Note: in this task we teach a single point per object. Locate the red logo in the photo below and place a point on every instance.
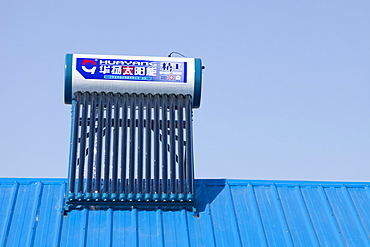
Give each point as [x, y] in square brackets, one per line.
[171, 77]
[85, 61]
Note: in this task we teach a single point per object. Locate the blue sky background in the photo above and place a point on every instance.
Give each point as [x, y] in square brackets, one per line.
[285, 94]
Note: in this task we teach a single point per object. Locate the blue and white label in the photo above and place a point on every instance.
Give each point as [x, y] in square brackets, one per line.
[132, 70]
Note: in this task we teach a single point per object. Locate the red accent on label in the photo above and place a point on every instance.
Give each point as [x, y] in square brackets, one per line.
[128, 70]
[85, 61]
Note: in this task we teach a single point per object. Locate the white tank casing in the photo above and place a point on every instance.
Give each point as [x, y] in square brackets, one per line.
[133, 74]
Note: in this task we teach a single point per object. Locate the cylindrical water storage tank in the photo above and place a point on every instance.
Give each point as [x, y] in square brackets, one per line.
[133, 74]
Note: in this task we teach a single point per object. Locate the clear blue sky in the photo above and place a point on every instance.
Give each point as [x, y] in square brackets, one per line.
[286, 91]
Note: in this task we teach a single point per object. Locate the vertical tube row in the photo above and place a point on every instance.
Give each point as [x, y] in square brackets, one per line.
[140, 147]
[107, 146]
[148, 150]
[115, 147]
[164, 149]
[110, 116]
[172, 148]
[156, 147]
[81, 167]
[76, 120]
[132, 147]
[180, 145]
[90, 161]
[123, 147]
[189, 151]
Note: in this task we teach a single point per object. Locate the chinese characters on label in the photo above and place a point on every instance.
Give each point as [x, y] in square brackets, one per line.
[138, 70]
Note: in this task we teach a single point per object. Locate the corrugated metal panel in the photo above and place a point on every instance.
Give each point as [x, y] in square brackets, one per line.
[231, 213]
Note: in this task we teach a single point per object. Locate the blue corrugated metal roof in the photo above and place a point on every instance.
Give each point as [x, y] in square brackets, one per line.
[231, 213]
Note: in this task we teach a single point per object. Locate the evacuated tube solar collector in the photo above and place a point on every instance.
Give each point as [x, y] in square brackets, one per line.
[131, 137]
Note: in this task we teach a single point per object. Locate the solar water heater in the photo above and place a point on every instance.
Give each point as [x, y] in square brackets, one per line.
[131, 131]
